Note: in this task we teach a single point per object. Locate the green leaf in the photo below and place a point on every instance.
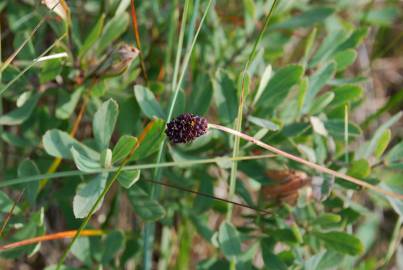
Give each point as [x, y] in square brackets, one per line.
[28, 168]
[346, 94]
[113, 29]
[341, 242]
[92, 37]
[123, 148]
[359, 168]
[327, 219]
[81, 249]
[264, 80]
[128, 178]
[383, 143]
[278, 87]
[150, 139]
[271, 261]
[225, 96]
[335, 127]
[383, 17]
[394, 158]
[316, 82]
[113, 243]
[17, 141]
[147, 102]
[87, 194]
[320, 103]
[104, 123]
[147, 208]
[229, 240]
[353, 40]
[58, 143]
[84, 163]
[345, 58]
[263, 123]
[50, 69]
[20, 114]
[305, 19]
[379, 133]
[67, 103]
[201, 96]
[32, 228]
[106, 158]
[328, 47]
[323, 260]
[6, 204]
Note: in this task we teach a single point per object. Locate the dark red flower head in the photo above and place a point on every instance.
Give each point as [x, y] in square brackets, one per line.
[186, 127]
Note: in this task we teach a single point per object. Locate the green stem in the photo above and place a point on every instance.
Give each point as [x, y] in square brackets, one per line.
[31, 64]
[23, 180]
[95, 206]
[238, 124]
[395, 239]
[149, 232]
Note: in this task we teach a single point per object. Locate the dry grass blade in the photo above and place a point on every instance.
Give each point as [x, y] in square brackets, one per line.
[308, 163]
[137, 38]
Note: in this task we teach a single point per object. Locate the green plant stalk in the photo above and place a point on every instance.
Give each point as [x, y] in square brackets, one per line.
[30, 35]
[394, 241]
[31, 65]
[165, 248]
[238, 124]
[149, 228]
[2, 155]
[95, 206]
[171, 36]
[179, 49]
[23, 180]
[346, 159]
[149, 232]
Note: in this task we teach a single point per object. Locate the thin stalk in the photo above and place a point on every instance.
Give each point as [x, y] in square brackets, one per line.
[244, 93]
[171, 35]
[95, 206]
[149, 228]
[49, 237]
[65, 174]
[198, 193]
[346, 134]
[10, 213]
[31, 65]
[393, 243]
[137, 38]
[2, 155]
[307, 163]
[180, 44]
[15, 53]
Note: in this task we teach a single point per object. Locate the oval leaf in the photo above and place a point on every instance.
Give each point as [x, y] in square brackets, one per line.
[20, 114]
[87, 194]
[342, 242]
[147, 102]
[58, 143]
[128, 178]
[84, 163]
[147, 208]
[104, 123]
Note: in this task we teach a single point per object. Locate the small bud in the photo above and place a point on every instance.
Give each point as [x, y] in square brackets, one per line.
[186, 127]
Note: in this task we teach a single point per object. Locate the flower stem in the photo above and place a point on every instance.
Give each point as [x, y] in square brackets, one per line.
[307, 163]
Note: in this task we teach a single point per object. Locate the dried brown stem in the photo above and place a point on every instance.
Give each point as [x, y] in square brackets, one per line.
[308, 163]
